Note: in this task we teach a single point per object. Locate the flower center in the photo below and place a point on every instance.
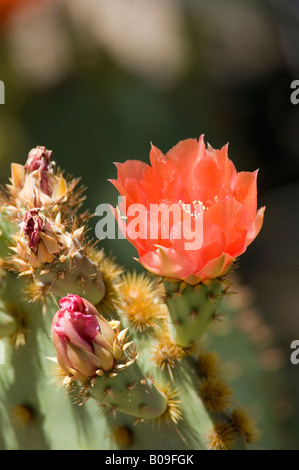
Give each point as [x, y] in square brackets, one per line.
[193, 209]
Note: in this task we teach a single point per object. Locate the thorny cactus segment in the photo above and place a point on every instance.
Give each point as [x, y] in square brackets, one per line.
[130, 392]
[192, 310]
[86, 344]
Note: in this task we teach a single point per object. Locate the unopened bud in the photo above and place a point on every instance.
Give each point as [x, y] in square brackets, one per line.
[36, 184]
[37, 242]
[38, 159]
[85, 343]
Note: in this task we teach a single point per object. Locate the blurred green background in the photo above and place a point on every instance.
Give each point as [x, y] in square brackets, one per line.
[97, 80]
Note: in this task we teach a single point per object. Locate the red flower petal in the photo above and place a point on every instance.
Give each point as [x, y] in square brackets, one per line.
[246, 192]
[256, 226]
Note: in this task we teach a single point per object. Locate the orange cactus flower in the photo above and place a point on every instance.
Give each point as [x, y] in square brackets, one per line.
[190, 175]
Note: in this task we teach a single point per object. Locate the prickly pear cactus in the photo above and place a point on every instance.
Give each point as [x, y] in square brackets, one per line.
[96, 358]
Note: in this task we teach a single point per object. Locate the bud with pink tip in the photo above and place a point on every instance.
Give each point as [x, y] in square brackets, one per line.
[37, 184]
[86, 344]
[38, 242]
[39, 159]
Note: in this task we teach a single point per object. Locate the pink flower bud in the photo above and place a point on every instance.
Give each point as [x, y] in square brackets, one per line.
[32, 226]
[39, 159]
[85, 342]
[37, 184]
[38, 242]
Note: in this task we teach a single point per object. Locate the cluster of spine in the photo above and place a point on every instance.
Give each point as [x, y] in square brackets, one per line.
[140, 335]
[230, 423]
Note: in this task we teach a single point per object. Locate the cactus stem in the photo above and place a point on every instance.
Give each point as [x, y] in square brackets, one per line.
[191, 310]
[144, 400]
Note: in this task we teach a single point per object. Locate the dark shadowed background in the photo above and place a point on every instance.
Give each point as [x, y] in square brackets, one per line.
[97, 80]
